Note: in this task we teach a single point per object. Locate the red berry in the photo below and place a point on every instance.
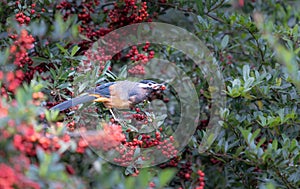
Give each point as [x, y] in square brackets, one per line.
[187, 176]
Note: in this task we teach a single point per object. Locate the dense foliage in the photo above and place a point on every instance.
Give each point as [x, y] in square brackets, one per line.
[46, 57]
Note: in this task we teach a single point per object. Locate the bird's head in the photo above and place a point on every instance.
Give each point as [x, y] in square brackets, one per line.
[151, 85]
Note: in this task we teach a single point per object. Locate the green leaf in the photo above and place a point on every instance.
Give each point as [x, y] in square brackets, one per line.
[64, 85]
[165, 176]
[107, 65]
[248, 84]
[74, 50]
[37, 60]
[51, 115]
[111, 75]
[255, 134]
[239, 151]
[202, 21]
[261, 141]
[83, 37]
[245, 133]
[44, 165]
[129, 170]
[224, 42]
[64, 147]
[200, 7]
[137, 153]
[281, 115]
[79, 79]
[61, 48]
[263, 120]
[268, 185]
[226, 146]
[123, 73]
[274, 144]
[82, 87]
[75, 30]
[129, 183]
[295, 32]
[21, 97]
[246, 72]
[294, 145]
[144, 178]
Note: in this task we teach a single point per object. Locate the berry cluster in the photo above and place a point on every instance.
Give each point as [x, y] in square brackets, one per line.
[96, 56]
[37, 97]
[64, 5]
[83, 10]
[84, 16]
[11, 81]
[22, 18]
[28, 140]
[139, 115]
[186, 173]
[148, 141]
[81, 146]
[166, 146]
[137, 70]
[20, 47]
[99, 54]
[124, 13]
[23, 15]
[87, 26]
[185, 170]
[11, 178]
[71, 125]
[171, 163]
[18, 50]
[200, 179]
[106, 139]
[22, 43]
[139, 59]
[127, 12]
[134, 54]
[227, 59]
[126, 155]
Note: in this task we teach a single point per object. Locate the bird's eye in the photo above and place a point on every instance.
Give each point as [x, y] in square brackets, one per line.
[150, 84]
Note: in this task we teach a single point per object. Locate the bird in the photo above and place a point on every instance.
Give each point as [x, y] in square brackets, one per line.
[119, 94]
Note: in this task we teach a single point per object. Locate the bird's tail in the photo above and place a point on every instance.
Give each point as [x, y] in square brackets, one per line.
[73, 102]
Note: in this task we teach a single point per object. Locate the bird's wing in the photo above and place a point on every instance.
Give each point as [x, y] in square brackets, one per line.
[119, 94]
[103, 90]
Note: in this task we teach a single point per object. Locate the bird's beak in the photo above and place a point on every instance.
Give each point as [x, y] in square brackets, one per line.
[159, 87]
